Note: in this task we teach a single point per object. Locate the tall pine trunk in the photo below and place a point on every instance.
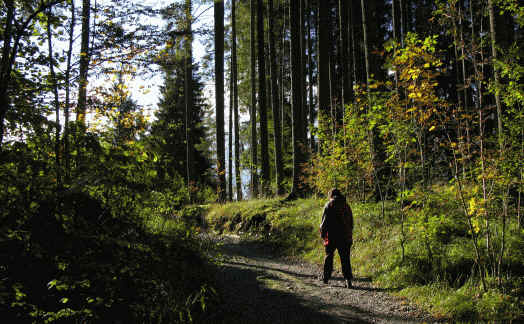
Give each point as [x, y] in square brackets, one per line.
[238, 179]
[262, 100]
[324, 46]
[296, 100]
[254, 146]
[493, 37]
[5, 72]
[219, 97]
[344, 59]
[230, 138]
[311, 107]
[56, 102]
[67, 156]
[394, 22]
[84, 64]
[188, 95]
[303, 112]
[275, 101]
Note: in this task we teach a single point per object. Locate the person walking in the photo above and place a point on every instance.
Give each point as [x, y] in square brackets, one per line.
[336, 230]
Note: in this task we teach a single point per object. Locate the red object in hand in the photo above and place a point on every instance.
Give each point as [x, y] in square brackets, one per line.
[326, 240]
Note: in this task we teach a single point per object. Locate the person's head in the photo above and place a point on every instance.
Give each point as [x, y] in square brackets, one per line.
[334, 193]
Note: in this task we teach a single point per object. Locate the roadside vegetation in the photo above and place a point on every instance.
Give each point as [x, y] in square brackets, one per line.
[446, 282]
[107, 248]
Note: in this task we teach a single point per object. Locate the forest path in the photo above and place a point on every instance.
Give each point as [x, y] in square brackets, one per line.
[261, 288]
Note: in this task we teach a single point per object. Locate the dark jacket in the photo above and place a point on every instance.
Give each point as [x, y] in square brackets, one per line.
[337, 221]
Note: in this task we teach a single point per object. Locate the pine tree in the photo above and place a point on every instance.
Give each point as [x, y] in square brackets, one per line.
[219, 98]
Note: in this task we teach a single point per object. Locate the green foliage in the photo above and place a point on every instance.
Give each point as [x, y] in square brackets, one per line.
[93, 251]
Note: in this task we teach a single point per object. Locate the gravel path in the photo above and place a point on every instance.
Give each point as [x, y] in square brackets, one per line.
[260, 288]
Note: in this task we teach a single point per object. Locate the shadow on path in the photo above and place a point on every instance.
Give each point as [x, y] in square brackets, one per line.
[257, 287]
[247, 300]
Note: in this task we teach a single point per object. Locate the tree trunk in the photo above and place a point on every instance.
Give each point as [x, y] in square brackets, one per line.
[344, 59]
[275, 101]
[238, 179]
[230, 138]
[310, 77]
[351, 63]
[67, 155]
[296, 100]
[402, 22]
[285, 17]
[495, 72]
[262, 108]
[464, 80]
[324, 46]
[353, 53]
[344, 54]
[371, 134]
[254, 162]
[56, 102]
[458, 67]
[188, 96]
[84, 64]
[394, 22]
[303, 120]
[365, 36]
[219, 97]
[5, 72]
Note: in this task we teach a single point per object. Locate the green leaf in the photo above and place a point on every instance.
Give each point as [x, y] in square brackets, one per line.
[51, 284]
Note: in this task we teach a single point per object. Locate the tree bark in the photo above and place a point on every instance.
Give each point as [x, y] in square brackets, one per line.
[67, 155]
[365, 36]
[56, 102]
[275, 101]
[402, 22]
[238, 179]
[254, 162]
[394, 23]
[188, 96]
[84, 64]
[303, 120]
[344, 59]
[262, 99]
[296, 100]
[5, 72]
[219, 97]
[324, 46]
[311, 106]
[230, 138]
[495, 72]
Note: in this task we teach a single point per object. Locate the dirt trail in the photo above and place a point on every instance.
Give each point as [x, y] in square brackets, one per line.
[259, 288]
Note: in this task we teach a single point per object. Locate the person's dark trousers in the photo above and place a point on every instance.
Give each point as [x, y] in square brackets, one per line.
[343, 252]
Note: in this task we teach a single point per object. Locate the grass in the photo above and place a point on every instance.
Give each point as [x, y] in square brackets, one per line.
[443, 284]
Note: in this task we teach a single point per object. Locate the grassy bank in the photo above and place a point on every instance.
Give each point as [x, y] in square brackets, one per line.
[443, 282]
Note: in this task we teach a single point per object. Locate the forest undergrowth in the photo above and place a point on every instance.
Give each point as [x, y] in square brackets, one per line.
[104, 249]
[445, 283]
